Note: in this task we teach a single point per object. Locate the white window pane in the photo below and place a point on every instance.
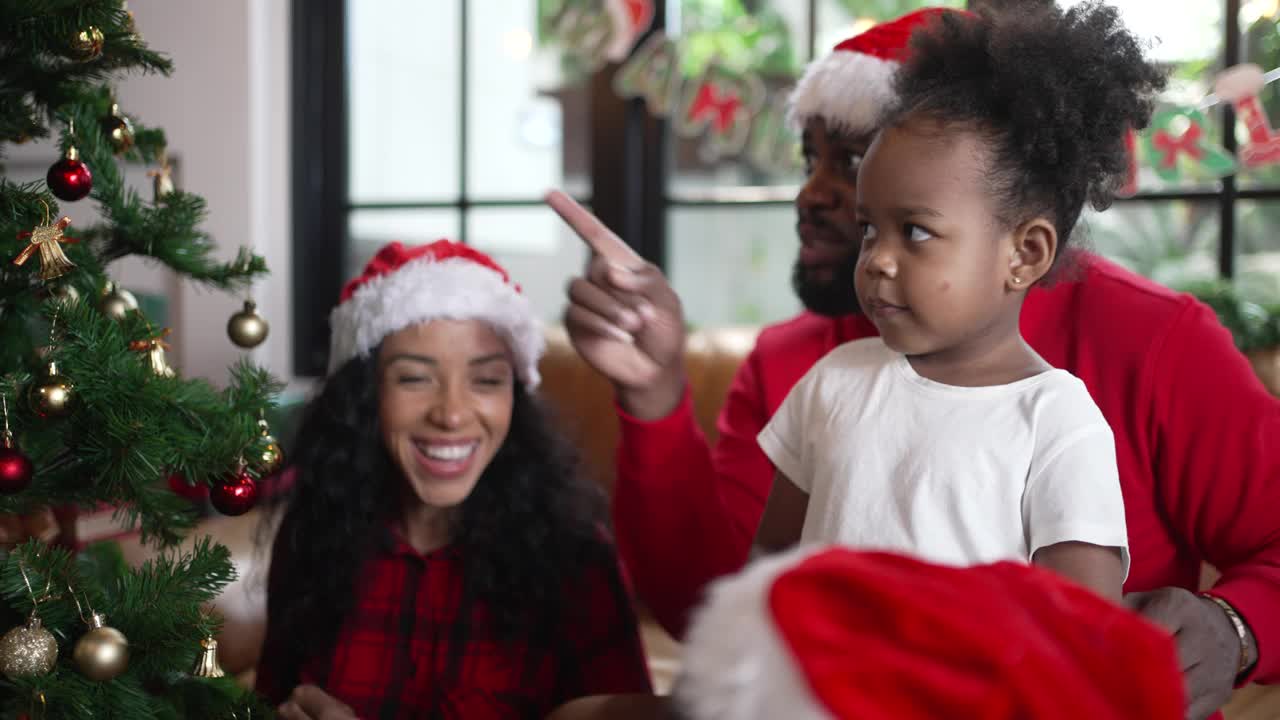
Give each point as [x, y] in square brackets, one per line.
[528, 126]
[732, 265]
[538, 250]
[402, 99]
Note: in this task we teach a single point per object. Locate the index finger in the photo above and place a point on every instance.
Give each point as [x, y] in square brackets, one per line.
[599, 238]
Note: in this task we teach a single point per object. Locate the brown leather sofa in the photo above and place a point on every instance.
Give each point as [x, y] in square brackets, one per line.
[584, 403]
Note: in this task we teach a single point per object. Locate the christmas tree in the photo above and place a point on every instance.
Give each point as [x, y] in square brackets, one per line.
[93, 414]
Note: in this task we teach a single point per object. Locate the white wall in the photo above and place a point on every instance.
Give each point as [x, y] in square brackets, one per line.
[224, 112]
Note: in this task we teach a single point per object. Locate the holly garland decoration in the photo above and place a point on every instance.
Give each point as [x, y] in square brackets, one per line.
[1167, 143]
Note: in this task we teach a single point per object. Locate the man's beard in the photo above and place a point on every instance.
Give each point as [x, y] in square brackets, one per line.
[831, 297]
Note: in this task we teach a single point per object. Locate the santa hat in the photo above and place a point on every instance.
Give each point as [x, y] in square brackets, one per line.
[835, 633]
[403, 286]
[853, 84]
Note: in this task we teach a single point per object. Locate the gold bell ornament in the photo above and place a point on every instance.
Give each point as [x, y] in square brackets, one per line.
[46, 241]
[103, 652]
[247, 328]
[116, 302]
[207, 666]
[51, 396]
[154, 348]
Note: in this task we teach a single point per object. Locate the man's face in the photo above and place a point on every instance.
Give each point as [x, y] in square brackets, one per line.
[826, 221]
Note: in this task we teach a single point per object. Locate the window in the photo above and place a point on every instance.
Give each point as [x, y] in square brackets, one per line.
[444, 125]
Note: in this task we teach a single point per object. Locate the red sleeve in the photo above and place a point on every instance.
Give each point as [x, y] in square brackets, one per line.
[684, 513]
[609, 652]
[1218, 470]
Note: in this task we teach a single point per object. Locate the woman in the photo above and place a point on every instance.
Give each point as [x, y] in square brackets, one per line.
[437, 555]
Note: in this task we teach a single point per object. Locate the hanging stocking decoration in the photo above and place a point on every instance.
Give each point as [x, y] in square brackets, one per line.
[1130, 187]
[1240, 85]
[652, 73]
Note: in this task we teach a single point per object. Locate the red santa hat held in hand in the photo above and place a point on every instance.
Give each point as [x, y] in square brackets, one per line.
[403, 286]
[834, 633]
[849, 87]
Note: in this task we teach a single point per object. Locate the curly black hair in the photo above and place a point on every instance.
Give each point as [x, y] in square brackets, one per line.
[1052, 92]
[530, 527]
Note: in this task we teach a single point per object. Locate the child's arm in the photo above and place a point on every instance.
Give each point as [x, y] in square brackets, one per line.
[783, 517]
[1097, 567]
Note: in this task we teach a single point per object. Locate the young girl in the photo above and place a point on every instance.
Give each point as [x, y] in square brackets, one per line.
[948, 437]
[438, 555]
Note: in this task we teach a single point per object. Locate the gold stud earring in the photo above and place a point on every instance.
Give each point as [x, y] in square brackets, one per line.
[1017, 280]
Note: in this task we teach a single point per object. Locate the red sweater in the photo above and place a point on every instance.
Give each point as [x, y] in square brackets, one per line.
[1197, 442]
[395, 645]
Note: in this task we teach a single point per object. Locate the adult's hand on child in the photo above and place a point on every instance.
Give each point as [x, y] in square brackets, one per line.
[308, 702]
[1208, 646]
[623, 318]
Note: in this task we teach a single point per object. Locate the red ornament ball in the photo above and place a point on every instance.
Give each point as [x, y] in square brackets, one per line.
[16, 470]
[237, 494]
[69, 179]
[179, 484]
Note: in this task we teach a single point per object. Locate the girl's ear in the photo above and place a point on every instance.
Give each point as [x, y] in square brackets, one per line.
[1035, 244]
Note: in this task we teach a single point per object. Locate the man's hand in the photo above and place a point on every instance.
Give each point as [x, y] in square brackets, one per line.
[308, 702]
[624, 319]
[1208, 646]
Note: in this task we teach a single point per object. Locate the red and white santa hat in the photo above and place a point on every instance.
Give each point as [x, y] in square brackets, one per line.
[826, 633]
[853, 84]
[403, 286]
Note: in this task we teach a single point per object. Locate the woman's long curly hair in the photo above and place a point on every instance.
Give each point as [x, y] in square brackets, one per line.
[530, 526]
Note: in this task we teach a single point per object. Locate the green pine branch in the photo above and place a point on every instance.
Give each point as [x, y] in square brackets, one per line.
[130, 427]
[159, 609]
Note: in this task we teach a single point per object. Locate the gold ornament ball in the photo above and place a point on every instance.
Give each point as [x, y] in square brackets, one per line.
[272, 456]
[103, 652]
[87, 44]
[116, 303]
[28, 650]
[247, 328]
[120, 130]
[51, 396]
[62, 293]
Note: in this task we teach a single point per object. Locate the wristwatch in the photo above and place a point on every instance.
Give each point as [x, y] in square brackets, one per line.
[1237, 622]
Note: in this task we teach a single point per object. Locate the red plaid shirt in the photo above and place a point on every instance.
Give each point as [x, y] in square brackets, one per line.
[393, 648]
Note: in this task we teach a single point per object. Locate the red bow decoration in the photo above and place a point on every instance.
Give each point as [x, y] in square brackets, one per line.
[1169, 145]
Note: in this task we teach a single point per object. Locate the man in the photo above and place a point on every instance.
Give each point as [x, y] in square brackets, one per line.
[1195, 430]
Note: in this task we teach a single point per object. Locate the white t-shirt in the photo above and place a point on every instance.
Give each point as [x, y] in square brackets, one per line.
[954, 475]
